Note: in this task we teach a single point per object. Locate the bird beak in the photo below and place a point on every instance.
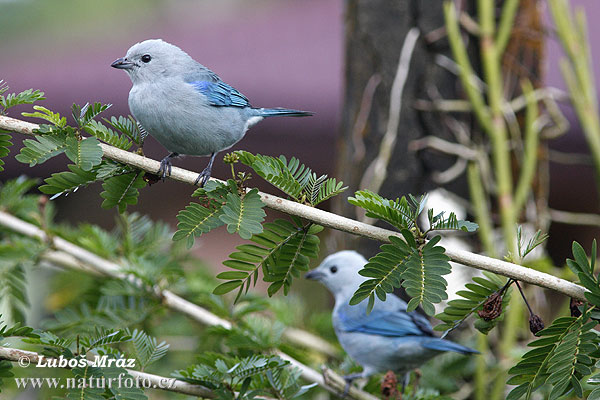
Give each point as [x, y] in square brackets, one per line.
[314, 275]
[122, 63]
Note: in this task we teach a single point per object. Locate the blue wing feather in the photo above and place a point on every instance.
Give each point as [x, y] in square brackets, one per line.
[391, 322]
[220, 94]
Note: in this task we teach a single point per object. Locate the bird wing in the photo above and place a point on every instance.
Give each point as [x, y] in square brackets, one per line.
[220, 94]
[385, 322]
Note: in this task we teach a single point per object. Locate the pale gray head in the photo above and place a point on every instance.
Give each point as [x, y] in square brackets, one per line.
[339, 272]
[154, 59]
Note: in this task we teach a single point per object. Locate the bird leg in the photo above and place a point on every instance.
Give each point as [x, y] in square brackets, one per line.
[165, 166]
[205, 174]
[349, 379]
[405, 381]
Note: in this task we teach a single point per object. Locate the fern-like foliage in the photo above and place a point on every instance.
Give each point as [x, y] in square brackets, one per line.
[85, 153]
[401, 213]
[86, 392]
[416, 267]
[122, 190]
[43, 113]
[282, 251]
[108, 135]
[293, 178]
[199, 218]
[440, 222]
[225, 375]
[103, 337]
[129, 127]
[84, 115]
[28, 96]
[569, 348]
[42, 148]
[566, 352]
[221, 204]
[475, 294]
[244, 213]
[147, 349]
[5, 143]
[5, 371]
[67, 182]
[16, 330]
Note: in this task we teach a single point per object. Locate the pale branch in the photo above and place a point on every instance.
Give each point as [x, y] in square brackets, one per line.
[335, 221]
[155, 381]
[574, 218]
[69, 255]
[376, 172]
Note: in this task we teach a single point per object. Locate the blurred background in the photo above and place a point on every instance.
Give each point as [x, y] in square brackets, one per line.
[315, 55]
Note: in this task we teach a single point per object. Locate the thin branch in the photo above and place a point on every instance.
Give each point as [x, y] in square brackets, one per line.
[574, 218]
[335, 221]
[156, 381]
[376, 172]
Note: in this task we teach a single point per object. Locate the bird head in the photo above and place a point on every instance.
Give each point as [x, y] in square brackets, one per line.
[152, 59]
[339, 272]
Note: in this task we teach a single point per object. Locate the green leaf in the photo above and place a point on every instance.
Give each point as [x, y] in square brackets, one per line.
[243, 215]
[28, 96]
[282, 251]
[84, 115]
[47, 115]
[228, 286]
[42, 148]
[5, 143]
[440, 222]
[474, 296]
[122, 190]
[197, 218]
[107, 135]
[398, 213]
[85, 153]
[293, 178]
[147, 349]
[418, 269]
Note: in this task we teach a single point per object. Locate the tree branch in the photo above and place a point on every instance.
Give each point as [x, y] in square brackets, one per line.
[335, 221]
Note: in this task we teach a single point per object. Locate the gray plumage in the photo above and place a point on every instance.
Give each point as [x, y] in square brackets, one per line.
[388, 338]
[186, 106]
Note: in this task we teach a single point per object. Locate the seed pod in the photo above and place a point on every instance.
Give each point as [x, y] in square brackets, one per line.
[535, 323]
[492, 308]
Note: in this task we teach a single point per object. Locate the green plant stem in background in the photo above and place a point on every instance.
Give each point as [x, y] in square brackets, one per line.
[529, 159]
[505, 26]
[481, 369]
[481, 210]
[578, 74]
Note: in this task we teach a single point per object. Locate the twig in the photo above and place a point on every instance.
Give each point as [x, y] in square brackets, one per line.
[574, 218]
[335, 221]
[376, 172]
[363, 116]
[336, 381]
[156, 381]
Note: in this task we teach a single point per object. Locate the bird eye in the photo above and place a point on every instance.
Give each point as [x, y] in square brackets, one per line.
[146, 58]
[333, 269]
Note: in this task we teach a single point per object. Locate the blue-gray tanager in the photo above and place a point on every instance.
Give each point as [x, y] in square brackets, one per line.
[388, 338]
[186, 106]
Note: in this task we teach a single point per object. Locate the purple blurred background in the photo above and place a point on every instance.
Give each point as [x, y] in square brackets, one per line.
[278, 53]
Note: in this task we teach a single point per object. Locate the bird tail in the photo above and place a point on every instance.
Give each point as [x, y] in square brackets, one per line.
[276, 112]
[446, 345]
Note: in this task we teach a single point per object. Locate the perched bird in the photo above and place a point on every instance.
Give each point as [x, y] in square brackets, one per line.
[186, 106]
[388, 338]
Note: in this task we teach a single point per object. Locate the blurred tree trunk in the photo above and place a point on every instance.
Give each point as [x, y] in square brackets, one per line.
[375, 34]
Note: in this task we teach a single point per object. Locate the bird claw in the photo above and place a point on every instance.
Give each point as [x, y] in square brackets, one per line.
[203, 177]
[165, 167]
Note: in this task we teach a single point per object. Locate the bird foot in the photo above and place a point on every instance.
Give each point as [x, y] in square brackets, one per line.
[165, 166]
[203, 177]
[349, 379]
